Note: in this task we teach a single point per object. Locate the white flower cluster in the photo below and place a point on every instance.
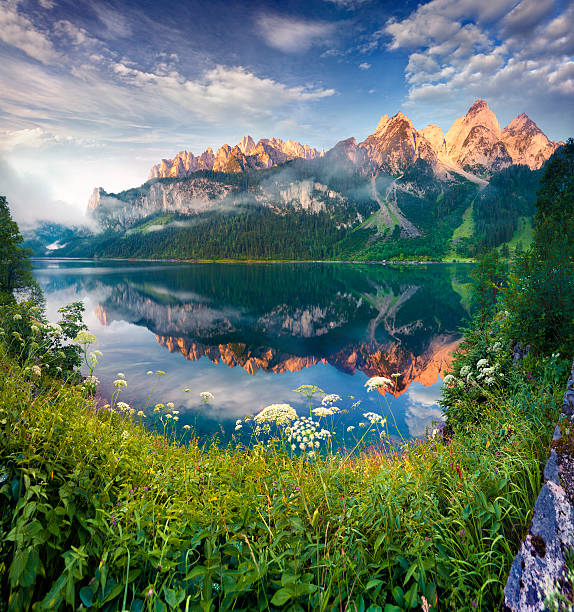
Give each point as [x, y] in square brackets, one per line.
[325, 411]
[449, 380]
[54, 329]
[120, 383]
[238, 424]
[330, 398]
[306, 435]
[85, 338]
[464, 371]
[374, 418]
[280, 414]
[206, 396]
[378, 381]
[486, 372]
[123, 407]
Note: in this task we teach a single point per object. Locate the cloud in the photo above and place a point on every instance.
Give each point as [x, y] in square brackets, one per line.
[348, 4]
[364, 66]
[292, 35]
[18, 31]
[30, 200]
[506, 51]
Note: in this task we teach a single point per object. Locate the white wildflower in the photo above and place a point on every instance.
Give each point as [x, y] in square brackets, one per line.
[374, 419]
[168, 416]
[482, 363]
[36, 370]
[85, 338]
[170, 405]
[206, 396]
[324, 411]
[280, 414]
[120, 383]
[187, 426]
[331, 398]
[238, 427]
[376, 382]
[464, 371]
[350, 428]
[141, 413]
[17, 317]
[449, 379]
[123, 406]
[120, 375]
[149, 373]
[125, 434]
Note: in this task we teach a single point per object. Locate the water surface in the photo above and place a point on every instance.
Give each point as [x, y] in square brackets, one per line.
[251, 333]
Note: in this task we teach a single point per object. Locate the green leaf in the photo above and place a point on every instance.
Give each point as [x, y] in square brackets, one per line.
[87, 596]
[373, 583]
[281, 597]
[391, 608]
[170, 597]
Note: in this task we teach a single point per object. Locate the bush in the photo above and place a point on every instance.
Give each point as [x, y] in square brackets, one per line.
[96, 511]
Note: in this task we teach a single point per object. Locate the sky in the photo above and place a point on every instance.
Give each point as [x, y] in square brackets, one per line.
[94, 92]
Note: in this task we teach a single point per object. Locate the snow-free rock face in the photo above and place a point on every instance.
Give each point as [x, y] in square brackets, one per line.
[245, 155]
[527, 143]
[396, 144]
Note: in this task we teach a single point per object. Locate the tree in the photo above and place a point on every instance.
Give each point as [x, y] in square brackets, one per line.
[15, 266]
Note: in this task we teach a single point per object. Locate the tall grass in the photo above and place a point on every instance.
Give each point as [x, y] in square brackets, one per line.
[96, 511]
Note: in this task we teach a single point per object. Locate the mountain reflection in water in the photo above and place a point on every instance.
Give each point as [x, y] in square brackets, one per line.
[282, 318]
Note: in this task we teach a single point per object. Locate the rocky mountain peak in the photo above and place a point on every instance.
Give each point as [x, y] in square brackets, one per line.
[246, 145]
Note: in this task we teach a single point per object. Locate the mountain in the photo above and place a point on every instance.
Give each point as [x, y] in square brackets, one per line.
[401, 193]
[245, 155]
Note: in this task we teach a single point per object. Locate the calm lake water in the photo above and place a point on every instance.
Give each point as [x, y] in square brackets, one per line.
[251, 333]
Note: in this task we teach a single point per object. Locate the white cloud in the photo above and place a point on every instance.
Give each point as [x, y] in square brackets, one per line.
[292, 35]
[348, 4]
[19, 31]
[505, 51]
[364, 66]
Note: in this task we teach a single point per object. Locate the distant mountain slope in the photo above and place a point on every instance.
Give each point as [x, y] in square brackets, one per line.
[400, 193]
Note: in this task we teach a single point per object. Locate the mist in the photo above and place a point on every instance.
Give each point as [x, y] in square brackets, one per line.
[31, 201]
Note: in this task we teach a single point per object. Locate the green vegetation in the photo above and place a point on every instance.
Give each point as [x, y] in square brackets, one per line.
[96, 510]
[99, 510]
[15, 268]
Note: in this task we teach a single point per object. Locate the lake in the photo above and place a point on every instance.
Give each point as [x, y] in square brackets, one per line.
[252, 333]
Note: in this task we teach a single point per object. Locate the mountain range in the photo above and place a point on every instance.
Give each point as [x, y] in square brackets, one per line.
[400, 193]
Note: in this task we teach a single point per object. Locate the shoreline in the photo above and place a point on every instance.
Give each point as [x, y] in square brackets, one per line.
[383, 262]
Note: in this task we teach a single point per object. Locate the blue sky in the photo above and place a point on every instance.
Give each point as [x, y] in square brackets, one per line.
[96, 91]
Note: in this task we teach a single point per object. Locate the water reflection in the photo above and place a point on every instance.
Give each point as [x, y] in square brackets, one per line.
[311, 323]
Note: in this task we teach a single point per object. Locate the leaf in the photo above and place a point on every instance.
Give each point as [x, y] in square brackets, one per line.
[87, 596]
[373, 583]
[170, 597]
[391, 608]
[281, 597]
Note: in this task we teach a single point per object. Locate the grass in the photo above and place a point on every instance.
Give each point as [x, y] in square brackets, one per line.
[524, 234]
[464, 230]
[98, 511]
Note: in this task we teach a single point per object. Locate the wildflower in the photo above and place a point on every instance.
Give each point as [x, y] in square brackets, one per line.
[36, 370]
[186, 390]
[377, 381]
[356, 404]
[149, 372]
[170, 405]
[187, 426]
[91, 381]
[482, 363]
[175, 411]
[206, 396]
[331, 398]
[464, 371]
[120, 383]
[308, 390]
[449, 379]
[149, 594]
[17, 317]
[496, 347]
[159, 373]
[159, 406]
[125, 434]
[238, 422]
[238, 427]
[361, 424]
[168, 416]
[323, 411]
[350, 428]
[35, 329]
[489, 380]
[280, 414]
[396, 375]
[123, 406]
[374, 419]
[54, 329]
[141, 413]
[85, 338]
[176, 418]
[120, 375]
